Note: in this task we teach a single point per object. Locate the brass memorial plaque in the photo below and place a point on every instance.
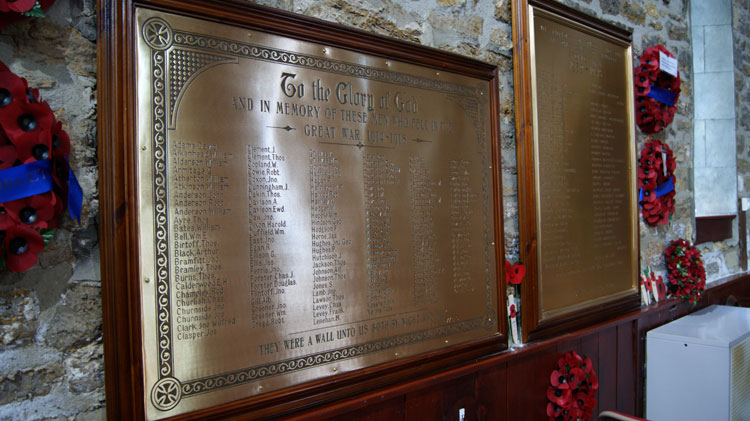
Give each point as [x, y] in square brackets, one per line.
[305, 211]
[584, 154]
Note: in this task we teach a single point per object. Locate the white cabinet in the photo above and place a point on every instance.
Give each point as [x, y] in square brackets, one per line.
[698, 367]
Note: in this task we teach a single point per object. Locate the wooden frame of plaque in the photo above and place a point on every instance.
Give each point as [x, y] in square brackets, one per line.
[578, 218]
[292, 211]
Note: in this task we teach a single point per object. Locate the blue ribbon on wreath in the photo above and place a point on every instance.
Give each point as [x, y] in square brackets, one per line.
[662, 95]
[659, 191]
[36, 178]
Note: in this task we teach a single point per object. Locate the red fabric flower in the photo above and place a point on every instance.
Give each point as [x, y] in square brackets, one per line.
[559, 379]
[512, 311]
[23, 122]
[60, 141]
[12, 88]
[21, 247]
[34, 211]
[587, 366]
[560, 397]
[10, 11]
[569, 360]
[515, 274]
[575, 376]
[17, 6]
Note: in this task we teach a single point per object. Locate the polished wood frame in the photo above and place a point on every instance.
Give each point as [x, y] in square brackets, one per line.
[120, 258]
[532, 325]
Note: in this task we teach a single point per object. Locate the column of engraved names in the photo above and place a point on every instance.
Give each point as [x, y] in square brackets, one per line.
[462, 207]
[266, 213]
[427, 265]
[608, 172]
[378, 173]
[556, 176]
[328, 264]
[197, 197]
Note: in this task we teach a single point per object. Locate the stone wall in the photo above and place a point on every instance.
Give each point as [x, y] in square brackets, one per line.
[50, 317]
[51, 364]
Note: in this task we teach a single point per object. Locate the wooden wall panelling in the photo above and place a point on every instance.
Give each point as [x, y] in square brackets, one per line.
[492, 393]
[607, 369]
[425, 403]
[459, 394]
[590, 348]
[626, 368]
[528, 379]
[392, 410]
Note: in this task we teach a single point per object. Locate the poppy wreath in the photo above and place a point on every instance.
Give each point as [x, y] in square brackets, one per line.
[13, 10]
[687, 277]
[36, 182]
[656, 92]
[656, 182]
[572, 391]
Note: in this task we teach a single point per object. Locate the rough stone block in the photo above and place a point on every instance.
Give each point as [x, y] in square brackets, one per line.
[76, 321]
[37, 381]
[19, 314]
[84, 369]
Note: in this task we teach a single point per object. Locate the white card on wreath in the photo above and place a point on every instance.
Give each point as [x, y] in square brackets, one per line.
[667, 64]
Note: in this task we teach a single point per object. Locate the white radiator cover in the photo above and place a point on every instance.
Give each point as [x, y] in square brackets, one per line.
[698, 367]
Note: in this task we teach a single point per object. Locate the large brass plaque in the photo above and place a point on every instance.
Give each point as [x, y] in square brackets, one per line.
[305, 211]
[584, 156]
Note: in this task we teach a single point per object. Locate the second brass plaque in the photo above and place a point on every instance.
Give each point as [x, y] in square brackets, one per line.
[584, 154]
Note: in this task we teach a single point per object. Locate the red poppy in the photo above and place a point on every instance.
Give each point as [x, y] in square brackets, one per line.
[575, 376]
[554, 411]
[517, 272]
[661, 289]
[642, 79]
[35, 149]
[587, 365]
[60, 141]
[12, 88]
[11, 16]
[568, 361]
[585, 403]
[512, 311]
[21, 247]
[649, 62]
[560, 397]
[23, 122]
[18, 6]
[34, 211]
[559, 379]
